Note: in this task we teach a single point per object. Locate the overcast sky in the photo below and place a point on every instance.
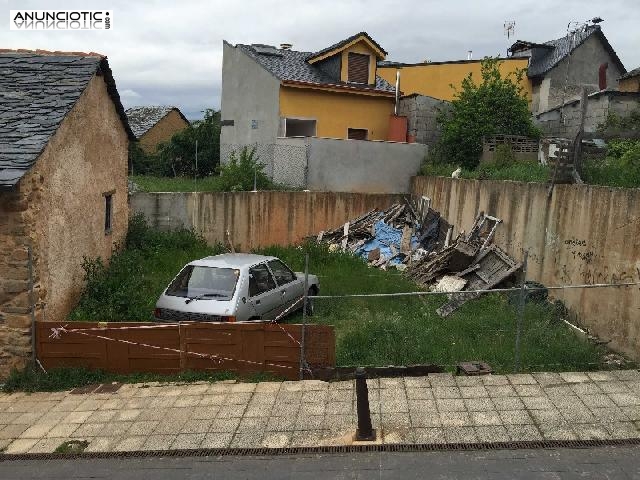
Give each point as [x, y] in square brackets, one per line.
[170, 52]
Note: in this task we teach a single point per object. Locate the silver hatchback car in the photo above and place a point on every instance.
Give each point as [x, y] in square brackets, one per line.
[234, 287]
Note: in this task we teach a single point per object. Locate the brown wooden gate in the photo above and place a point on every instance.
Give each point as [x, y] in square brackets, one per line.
[145, 347]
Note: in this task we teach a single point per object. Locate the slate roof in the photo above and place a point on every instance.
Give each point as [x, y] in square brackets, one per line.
[546, 56]
[37, 90]
[291, 65]
[344, 42]
[142, 119]
[633, 73]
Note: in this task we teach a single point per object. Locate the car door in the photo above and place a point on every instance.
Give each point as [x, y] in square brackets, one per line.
[264, 295]
[289, 287]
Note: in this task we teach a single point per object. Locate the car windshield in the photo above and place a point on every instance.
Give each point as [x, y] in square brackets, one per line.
[204, 282]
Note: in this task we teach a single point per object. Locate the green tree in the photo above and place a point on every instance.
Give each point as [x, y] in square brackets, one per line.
[497, 105]
[178, 155]
[142, 163]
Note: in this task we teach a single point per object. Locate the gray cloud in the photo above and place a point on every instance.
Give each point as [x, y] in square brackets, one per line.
[165, 52]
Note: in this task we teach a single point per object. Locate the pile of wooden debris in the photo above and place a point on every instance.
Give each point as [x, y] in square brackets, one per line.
[414, 238]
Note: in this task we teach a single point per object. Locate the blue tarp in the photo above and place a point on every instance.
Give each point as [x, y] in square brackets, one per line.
[385, 236]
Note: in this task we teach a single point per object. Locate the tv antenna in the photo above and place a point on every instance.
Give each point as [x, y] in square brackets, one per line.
[509, 28]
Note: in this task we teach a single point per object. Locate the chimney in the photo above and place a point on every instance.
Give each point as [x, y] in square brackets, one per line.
[602, 76]
[469, 54]
[286, 46]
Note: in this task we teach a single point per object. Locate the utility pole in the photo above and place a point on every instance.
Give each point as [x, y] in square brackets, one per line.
[195, 176]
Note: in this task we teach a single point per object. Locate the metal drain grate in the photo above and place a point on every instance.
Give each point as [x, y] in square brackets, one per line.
[222, 452]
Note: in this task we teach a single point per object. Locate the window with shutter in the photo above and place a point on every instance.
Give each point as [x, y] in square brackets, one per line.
[358, 68]
[357, 134]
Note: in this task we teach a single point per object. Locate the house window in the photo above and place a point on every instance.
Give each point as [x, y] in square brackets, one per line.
[295, 127]
[358, 68]
[357, 134]
[108, 212]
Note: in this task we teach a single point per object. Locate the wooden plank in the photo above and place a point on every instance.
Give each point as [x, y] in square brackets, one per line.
[345, 237]
[243, 347]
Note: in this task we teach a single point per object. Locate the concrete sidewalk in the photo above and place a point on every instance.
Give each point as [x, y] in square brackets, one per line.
[435, 409]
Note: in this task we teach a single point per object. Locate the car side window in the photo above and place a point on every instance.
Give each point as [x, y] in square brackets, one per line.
[260, 280]
[282, 273]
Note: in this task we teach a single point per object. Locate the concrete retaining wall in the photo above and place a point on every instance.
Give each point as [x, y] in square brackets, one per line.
[362, 166]
[580, 235]
[336, 165]
[256, 219]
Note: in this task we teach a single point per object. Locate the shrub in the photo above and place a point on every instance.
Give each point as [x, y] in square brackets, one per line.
[620, 168]
[242, 170]
[497, 105]
[127, 288]
[616, 123]
[504, 155]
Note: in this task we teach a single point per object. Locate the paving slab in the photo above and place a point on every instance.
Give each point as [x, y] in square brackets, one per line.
[439, 408]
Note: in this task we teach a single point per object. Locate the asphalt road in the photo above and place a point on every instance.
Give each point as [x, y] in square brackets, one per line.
[590, 463]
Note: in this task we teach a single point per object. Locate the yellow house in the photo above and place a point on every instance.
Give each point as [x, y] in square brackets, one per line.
[270, 92]
[630, 81]
[440, 79]
[153, 125]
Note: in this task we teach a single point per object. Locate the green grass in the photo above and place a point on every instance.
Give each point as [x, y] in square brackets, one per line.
[612, 173]
[407, 330]
[72, 446]
[519, 172]
[148, 183]
[33, 379]
[369, 331]
[213, 183]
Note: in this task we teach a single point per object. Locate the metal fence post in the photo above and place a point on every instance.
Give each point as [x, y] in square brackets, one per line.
[304, 314]
[521, 310]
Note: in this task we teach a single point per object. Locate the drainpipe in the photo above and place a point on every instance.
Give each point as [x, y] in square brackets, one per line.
[395, 108]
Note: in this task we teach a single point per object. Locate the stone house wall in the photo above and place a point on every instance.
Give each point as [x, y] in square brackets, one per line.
[58, 208]
[565, 80]
[16, 221]
[422, 112]
[599, 106]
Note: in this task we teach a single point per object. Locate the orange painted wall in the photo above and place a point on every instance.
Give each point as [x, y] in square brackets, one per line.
[435, 79]
[336, 112]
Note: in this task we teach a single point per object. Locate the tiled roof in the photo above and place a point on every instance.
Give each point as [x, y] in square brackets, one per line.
[291, 65]
[142, 119]
[344, 42]
[633, 73]
[546, 56]
[37, 90]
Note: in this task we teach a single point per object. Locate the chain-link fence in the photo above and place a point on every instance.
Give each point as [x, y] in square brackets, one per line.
[382, 318]
[285, 162]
